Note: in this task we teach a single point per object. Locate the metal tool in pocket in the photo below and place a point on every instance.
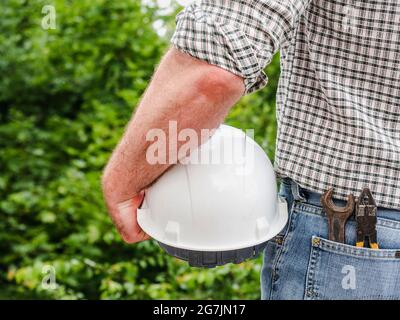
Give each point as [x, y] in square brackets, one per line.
[337, 216]
[366, 220]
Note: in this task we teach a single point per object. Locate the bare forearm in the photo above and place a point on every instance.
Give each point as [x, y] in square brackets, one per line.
[183, 89]
[194, 94]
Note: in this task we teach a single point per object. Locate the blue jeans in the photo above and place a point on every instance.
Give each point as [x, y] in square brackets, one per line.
[300, 263]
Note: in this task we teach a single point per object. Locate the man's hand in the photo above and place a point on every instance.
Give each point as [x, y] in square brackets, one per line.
[191, 92]
[125, 219]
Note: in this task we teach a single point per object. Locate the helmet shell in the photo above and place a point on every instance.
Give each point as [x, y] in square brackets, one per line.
[226, 201]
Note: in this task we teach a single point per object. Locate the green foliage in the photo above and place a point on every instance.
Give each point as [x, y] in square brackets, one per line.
[65, 97]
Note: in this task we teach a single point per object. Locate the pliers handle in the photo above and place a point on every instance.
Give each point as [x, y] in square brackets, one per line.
[366, 220]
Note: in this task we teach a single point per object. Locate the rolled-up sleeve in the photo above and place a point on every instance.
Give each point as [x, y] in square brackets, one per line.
[240, 36]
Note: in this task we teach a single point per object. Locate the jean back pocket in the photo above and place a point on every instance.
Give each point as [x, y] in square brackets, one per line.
[341, 270]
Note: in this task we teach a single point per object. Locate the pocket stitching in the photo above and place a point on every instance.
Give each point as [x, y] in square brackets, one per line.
[362, 253]
[311, 290]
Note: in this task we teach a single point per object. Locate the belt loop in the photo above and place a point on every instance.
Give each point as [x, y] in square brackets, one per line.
[296, 192]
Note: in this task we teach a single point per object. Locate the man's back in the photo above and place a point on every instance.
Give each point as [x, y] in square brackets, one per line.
[338, 99]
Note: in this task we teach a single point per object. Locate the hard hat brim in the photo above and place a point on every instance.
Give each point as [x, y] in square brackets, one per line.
[211, 259]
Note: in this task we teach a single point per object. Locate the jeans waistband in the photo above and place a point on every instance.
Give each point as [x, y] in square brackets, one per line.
[304, 195]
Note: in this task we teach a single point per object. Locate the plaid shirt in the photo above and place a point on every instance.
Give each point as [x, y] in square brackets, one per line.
[338, 102]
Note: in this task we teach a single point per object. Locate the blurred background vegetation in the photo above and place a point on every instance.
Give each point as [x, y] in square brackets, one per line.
[65, 97]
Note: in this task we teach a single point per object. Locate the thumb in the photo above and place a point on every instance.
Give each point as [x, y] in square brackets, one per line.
[126, 220]
[138, 199]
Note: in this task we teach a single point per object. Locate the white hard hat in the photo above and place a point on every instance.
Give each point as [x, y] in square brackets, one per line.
[219, 209]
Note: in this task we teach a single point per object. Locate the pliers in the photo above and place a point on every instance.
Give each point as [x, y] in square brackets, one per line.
[366, 219]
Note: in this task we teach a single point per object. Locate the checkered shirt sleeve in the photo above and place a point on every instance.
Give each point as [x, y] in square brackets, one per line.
[240, 36]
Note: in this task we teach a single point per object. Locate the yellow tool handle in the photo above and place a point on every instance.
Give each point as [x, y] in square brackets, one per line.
[361, 244]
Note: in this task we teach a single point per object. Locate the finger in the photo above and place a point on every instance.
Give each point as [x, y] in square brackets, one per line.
[126, 220]
[138, 199]
[145, 236]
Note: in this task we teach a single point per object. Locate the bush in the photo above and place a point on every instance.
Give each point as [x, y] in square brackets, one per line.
[64, 101]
